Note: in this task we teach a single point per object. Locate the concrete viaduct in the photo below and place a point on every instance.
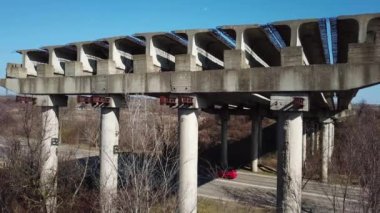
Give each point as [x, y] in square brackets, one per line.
[289, 70]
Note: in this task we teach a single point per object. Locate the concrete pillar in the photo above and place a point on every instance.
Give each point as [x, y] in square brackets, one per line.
[260, 141]
[304, 144]
[224, 140]
[325, 150]
[289, 166]
[317, 138]
[255, 137]
[188, 165]
[331, 139]
[108, 159]
[49, 159]
[312, 139]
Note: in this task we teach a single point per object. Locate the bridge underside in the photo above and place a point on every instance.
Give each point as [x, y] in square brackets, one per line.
[290, 70]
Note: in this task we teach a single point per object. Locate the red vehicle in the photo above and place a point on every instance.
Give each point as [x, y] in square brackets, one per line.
[227, 174]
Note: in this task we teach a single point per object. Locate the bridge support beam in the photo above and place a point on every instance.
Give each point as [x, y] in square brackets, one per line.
[224, 117]
[188, 170]
[289, 167]
[325, 149]
[255, 138]
[109, 138]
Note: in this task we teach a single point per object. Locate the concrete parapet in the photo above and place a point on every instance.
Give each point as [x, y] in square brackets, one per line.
[16, 71]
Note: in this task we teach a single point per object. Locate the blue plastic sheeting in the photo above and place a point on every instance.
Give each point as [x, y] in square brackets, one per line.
[329, 35]
[274, 36]
[224, 38]
[324, 37]
[334, 39]
[177, 38]
[136, 40]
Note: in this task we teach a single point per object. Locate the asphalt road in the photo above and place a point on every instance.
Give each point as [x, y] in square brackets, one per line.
[260, 190]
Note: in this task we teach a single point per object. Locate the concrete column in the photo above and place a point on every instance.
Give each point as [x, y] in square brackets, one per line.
[188, 165]
[325, 150]
[289, 166]
[108, 159]
[224, 140]
[331, 139]
[304, 144]
[255, 137]
[260, 146]
[49, 159]
[312, 139]
[317, 138]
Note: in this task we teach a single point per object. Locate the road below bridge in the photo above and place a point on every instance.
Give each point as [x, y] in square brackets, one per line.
[260, 190]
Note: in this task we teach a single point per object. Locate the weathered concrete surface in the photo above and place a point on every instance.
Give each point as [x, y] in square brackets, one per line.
[256, 129]
[109, 159]
[289, 167]
[188, 163]
[49, 159]
[311, 78]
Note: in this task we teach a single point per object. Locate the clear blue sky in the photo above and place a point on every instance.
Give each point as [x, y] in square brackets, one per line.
[33, 23]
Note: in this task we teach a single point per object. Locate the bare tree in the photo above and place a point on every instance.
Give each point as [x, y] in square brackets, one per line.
[149, 164]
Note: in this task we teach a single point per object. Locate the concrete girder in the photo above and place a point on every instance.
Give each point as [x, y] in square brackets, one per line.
[361, 29]
[206, 47]
[314, 78]
[58, 56]
[121, 50]
[162, 49]
[88, 53]
[251, 58]
[31, 60]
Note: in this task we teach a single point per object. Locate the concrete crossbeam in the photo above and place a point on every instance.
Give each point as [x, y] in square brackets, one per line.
[314, 78]
[205, 47]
